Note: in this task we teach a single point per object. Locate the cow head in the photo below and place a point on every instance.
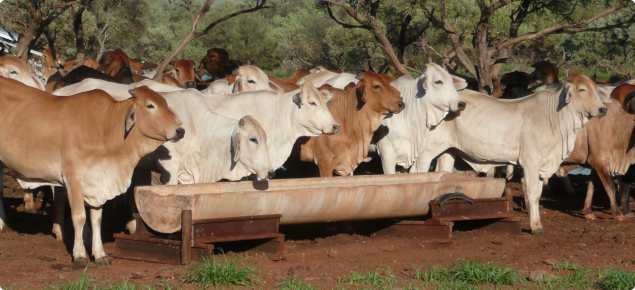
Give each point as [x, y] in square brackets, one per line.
[141, 65]
[581, 93]
[249, 147]
[113, 62]
[183, 71]
[216, 62]
[374, 90]
[250, 78]
[440, 89]
[14, 68]
[149, 112]
[312, 111]
[545, 73]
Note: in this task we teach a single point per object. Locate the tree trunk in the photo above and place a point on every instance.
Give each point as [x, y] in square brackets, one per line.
[79, 35]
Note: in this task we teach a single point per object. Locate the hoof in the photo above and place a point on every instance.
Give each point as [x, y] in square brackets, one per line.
[57, 231]
[80, 264]
[103, 261]
[590, 216]
[538, 232]
[620, 218]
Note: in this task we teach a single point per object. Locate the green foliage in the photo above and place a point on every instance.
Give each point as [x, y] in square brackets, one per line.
[82, 283]
[614, 279]
[220, 273]
[295, 284]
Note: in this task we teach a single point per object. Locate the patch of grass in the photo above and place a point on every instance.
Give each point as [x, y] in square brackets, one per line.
[580, 278]
[474, 273]
[220, 273]
[82, 283]
[616, 279]
[370, 279]
[295, 284]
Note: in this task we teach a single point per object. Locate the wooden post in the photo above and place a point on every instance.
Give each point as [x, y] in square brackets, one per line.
[186, 236]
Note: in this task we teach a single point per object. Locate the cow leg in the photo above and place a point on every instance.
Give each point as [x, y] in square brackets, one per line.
[326, 170]
[510, 172]
[533, 192]
[609, 186]
[388, 161]
[567, 185]
[29, 205]
[588, 201]
[101, 259]
[624, 191]
[78, 214]
[445, 163]
[3, 215]
[59, 203]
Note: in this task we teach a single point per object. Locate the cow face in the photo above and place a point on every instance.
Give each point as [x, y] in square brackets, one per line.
[374, 90]
[249, 147]
[250, 78]
[14, 68]
[313, 113]
[183, 71]
[113, 62]
[216, 62]
[151, 115]
[441, 89]
[581, 92]
[545, 73]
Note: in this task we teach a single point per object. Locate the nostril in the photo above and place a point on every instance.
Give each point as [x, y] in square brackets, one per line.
[402, 105]
[462, 105]
[602, 110]
[190, 84]
[180, 132]
[271, 174]
[336, 128]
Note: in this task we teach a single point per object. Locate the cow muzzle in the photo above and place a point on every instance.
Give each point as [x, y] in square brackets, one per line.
[178, 135]
[190, 84]
[601, 112]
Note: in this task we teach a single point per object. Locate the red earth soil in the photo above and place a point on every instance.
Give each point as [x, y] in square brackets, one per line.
[30, 258]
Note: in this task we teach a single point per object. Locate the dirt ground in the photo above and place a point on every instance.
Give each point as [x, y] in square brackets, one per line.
[31, 258]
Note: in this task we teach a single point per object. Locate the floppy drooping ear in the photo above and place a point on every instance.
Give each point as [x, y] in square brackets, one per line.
[565, 96]
[235, 146]
[235, 72]
[131, 115]
[39, 83]
[422, 86]
[459, 83]
[327, 95]
[297, 99]
[604, 93]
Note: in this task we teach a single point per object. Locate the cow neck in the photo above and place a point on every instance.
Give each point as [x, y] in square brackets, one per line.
[419, 110]
[566, 123]
[368, 121]
[285, 117]
[216, 142]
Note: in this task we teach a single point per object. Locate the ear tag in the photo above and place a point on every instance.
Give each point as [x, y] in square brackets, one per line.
[233, 144]
[455, 86]
[143, 61]
[103, 72]
[538, 88]
[205, 77]
[600, 96]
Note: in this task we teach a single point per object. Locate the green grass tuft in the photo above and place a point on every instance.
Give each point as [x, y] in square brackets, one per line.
[616, 279]
[220, 273]
[370, 279]
[82, 283]
[295, 284]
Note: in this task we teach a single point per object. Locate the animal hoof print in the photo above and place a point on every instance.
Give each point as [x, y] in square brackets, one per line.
[589, 216]
[80, 264]
[103, 262]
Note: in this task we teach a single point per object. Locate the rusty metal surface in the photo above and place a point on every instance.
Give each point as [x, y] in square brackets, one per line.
[186, 236]
[308, 200]
[460, 210]
[147, 251]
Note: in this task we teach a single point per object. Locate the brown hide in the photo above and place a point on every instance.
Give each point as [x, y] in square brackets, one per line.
[216, 62]
[286, 86]
[359, 109]
[89, 62]
[113, 62]
[183, 71]
[606, 145]
[141, 65]
[545, 73]
[298, 74]
[624, 95]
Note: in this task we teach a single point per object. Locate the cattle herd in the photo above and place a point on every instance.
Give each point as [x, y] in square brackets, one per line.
[85, 132]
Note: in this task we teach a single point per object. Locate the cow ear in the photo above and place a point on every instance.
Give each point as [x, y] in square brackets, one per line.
[235, 72]
[565, 96]
[361, 92]
[235, 146]
[39, 83]
[327, 95]
[459, 83]
[131, 116]
[604, 93]
[172, 73]
[297, 99]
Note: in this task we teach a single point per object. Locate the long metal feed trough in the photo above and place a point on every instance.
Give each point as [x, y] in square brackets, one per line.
[309, 200]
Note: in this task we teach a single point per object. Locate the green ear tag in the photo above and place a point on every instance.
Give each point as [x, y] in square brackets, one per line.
[456, 87]
[143, 61]
[600, 96]
[538, 89]
[233, 144]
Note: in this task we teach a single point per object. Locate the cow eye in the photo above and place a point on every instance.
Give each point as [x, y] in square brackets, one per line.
[150, 106]
[254, 140]
[251, 81]
[581, 90]
[177, 70]
[14, 72]
[438, 82]
[376, 87]
[312, 104]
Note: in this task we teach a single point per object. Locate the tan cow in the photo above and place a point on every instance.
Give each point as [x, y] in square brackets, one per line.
[14, 68]
[246, 78]
[183, 71]
[605, 145]
[88, 143]
[359, 109]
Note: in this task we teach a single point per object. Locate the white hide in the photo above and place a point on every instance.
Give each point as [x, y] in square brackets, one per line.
[342, 80]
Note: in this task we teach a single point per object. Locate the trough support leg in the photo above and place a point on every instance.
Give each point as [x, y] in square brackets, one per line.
[186, 236]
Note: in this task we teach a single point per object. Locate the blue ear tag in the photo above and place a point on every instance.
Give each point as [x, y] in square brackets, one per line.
[600, 96]
[103, 72]
[205, 77]
[456, 87]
